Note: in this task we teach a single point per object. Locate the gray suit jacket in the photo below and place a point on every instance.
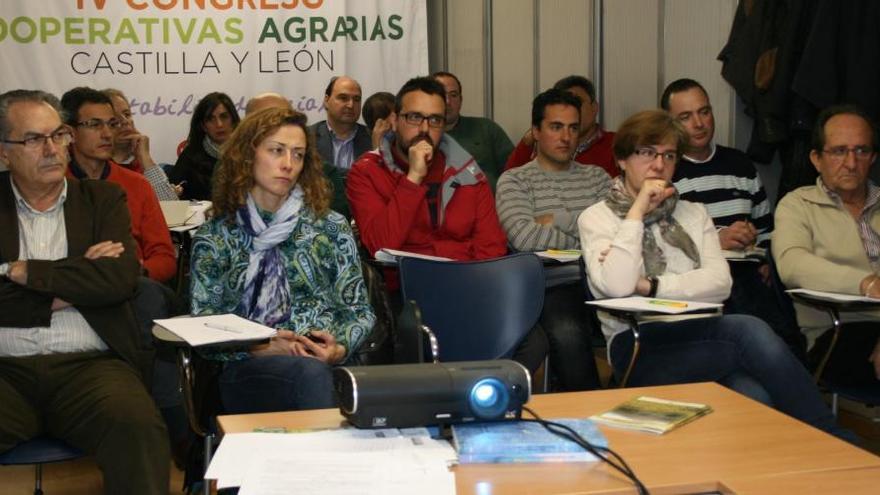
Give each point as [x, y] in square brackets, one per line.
[362, 141]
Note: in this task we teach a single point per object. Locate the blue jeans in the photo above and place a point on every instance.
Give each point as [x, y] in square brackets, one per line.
[276, 383]
[740, 351]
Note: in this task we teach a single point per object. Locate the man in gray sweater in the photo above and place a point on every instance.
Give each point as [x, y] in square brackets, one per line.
[538, 205]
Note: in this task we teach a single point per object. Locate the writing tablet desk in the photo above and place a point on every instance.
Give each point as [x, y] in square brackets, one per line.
[741, 447]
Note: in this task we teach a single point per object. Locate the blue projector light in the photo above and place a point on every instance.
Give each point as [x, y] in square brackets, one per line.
[489, 399]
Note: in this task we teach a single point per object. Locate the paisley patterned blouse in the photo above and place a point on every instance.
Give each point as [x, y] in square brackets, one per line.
[327, 288]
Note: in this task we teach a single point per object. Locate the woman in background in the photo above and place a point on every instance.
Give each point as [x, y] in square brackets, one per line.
[274, 253]
[643, 241]
[212, 124]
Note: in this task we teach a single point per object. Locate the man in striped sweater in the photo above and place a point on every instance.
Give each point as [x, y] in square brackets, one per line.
[726, 182]
[538, 205]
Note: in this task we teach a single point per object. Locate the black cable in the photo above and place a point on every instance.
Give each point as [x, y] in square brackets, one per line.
[566, 432]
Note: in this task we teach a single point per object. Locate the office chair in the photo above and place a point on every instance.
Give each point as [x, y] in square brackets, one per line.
[476, 309]
[39, 451]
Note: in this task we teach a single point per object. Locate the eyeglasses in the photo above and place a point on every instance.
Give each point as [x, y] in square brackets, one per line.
[60, 137]
[860, 153]
[416, 119]
[98, 124]
[650, 154]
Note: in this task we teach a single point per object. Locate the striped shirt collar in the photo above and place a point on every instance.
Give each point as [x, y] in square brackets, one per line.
[23, 206]
[709, 159]
[871, 200]
[870, 237]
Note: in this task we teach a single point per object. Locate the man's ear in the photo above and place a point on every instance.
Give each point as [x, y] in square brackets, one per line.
[4, 157]
[392, 117]
[814, 159]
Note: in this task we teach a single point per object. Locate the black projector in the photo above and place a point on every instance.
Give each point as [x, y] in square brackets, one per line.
[409, 395]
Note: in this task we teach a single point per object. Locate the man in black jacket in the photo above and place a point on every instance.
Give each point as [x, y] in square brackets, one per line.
[70, 361]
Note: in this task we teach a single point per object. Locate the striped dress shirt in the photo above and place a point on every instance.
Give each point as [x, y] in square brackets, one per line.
[42, 235]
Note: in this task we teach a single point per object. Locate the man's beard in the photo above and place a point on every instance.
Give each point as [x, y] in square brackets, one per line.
[420, 137]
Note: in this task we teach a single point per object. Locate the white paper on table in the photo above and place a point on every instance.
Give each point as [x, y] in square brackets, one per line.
[347, 473]
[667, 306]
[201, 330]
[238, 451]
[834, 296]
[393, 255]
[195, 215]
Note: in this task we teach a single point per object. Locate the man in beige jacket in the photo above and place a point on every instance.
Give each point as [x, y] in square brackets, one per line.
[827, 238]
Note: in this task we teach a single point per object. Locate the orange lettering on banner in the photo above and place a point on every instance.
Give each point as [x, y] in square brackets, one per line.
[170, 5]
[268, 5]
[312, 4]
[98, 3]
[133, 4]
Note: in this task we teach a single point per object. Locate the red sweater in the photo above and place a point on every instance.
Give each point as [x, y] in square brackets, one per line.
[599, 153]
[148, 227]
[392, 212]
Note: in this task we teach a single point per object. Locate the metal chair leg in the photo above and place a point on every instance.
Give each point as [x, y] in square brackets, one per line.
[432, 340]
[208, 445]
[835, 320]
[634, 325]
[38, 481]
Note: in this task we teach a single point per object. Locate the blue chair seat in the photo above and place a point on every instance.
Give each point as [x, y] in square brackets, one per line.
[39, 450]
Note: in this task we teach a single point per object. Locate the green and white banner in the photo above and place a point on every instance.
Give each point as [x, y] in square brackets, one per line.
[166, 54]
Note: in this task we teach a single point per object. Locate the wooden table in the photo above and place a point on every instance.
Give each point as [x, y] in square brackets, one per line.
[742, 447]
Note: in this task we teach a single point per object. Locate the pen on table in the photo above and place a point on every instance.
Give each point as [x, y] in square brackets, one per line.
[225, 328]
[672, 304]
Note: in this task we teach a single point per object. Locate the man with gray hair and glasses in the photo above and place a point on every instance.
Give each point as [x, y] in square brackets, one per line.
[70, 360]
[827, 238]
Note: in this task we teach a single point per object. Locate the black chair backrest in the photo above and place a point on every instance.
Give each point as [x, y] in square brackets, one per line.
[477, 309]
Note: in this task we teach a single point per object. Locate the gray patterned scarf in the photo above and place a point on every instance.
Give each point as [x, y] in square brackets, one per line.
[266, 297]
[620, 201]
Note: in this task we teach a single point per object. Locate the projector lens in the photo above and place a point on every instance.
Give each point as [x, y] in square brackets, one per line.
[489, 399]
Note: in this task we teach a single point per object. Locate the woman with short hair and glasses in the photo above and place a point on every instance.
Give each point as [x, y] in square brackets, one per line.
[273, 252]
[212, 123]
[644, 241]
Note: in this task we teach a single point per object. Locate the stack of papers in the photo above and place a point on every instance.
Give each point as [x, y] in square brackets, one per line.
[393, 256]
[652, 415]
[650, 304]
[334, 462]
[214, 329]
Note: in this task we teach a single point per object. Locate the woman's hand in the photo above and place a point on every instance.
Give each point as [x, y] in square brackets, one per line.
[643, 286]
[281, 344]
[320, 345]
[652, 193]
